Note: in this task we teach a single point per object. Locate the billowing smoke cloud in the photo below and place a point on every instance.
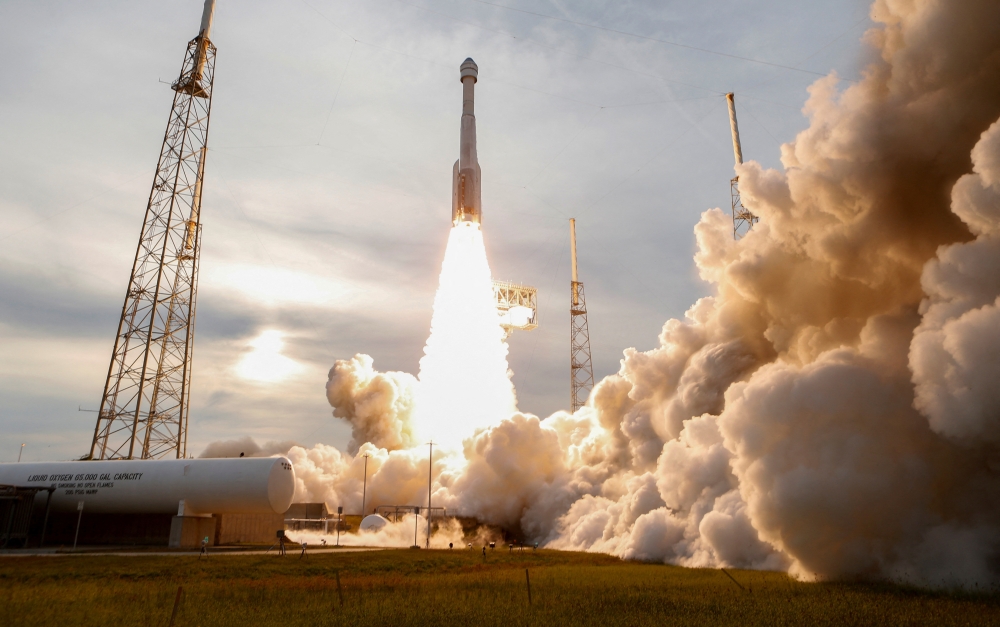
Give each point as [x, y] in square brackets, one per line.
[377, 405]
[247, 447]
[831, 409]
[954, 350]
[395, 534]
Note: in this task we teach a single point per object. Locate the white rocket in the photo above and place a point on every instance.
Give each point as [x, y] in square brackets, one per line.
[466, 191]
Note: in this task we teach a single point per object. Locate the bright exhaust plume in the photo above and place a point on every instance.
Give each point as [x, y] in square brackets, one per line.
[464, 377]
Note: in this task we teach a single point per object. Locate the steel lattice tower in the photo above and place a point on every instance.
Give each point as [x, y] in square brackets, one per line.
[743, 220]
[581, 368]
[144, 410]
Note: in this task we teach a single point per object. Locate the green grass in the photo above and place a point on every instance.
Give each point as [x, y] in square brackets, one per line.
[408, 587]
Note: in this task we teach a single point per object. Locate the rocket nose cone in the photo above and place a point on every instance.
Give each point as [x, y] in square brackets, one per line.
[469, 68]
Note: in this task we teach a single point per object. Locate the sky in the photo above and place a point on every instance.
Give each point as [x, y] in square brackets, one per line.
[327, 196]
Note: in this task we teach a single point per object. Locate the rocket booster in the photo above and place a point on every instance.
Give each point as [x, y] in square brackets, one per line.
[466, 194]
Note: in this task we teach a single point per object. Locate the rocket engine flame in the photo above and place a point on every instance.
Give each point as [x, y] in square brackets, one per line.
[464, 381]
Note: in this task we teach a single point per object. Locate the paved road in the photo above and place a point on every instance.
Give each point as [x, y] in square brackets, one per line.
[213, 552]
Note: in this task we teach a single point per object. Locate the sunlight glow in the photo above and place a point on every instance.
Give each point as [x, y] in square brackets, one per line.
[265, 363]
[279, 286]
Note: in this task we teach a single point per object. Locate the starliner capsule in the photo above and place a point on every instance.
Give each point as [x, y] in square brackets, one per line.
[466, 193]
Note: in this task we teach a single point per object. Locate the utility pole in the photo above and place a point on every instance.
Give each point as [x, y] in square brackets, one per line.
[743, 220]
[430, 467]
[416, 523]
[340, 517]
[364, 488]
[144, 408]
[79, 517]
[580, 366]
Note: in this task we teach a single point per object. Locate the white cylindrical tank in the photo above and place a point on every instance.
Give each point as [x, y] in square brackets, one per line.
[259, 485]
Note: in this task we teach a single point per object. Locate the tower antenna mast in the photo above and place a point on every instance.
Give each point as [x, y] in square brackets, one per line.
[581, 368]
[144, 409]
[743, 220]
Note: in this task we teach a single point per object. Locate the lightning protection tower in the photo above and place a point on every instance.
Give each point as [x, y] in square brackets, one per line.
[581, 369]
[144, 410]
[743, 220]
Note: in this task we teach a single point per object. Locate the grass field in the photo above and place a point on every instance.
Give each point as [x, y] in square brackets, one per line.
[409, 587]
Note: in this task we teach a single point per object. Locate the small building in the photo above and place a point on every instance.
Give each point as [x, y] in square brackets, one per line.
[16, 505]
[312, 517]
[247, 528]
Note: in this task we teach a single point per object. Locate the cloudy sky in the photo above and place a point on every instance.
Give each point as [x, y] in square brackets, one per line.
[327, 196]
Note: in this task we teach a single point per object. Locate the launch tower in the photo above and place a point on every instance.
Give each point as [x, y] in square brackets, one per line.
[743, 220]
[580, 366]
[144, 410]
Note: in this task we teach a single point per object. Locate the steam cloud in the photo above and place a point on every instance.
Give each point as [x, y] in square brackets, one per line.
[247, 447]
[393, 535]
[832, 410]
[377, 405]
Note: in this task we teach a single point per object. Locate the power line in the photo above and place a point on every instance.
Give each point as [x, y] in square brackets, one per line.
[334, 24]
[493, 80]
[662, 41]
[572, 139]
[747, 109]
[336, 95]
[72, 207]
[836, 39]
[560, 50]
[669, 145]
[249, 221]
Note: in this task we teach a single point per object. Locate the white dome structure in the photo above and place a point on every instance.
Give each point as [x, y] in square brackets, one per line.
[373, 522]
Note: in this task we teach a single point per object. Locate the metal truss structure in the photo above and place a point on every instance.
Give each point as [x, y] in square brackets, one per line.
[517, 306]
[580, 366]
[395, 513]
[743, 220]
[144, 410]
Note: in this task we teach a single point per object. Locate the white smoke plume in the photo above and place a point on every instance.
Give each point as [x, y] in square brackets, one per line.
[377, 405]
[247, 447]
[831, 409]
[954, 350]
[405, 532]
